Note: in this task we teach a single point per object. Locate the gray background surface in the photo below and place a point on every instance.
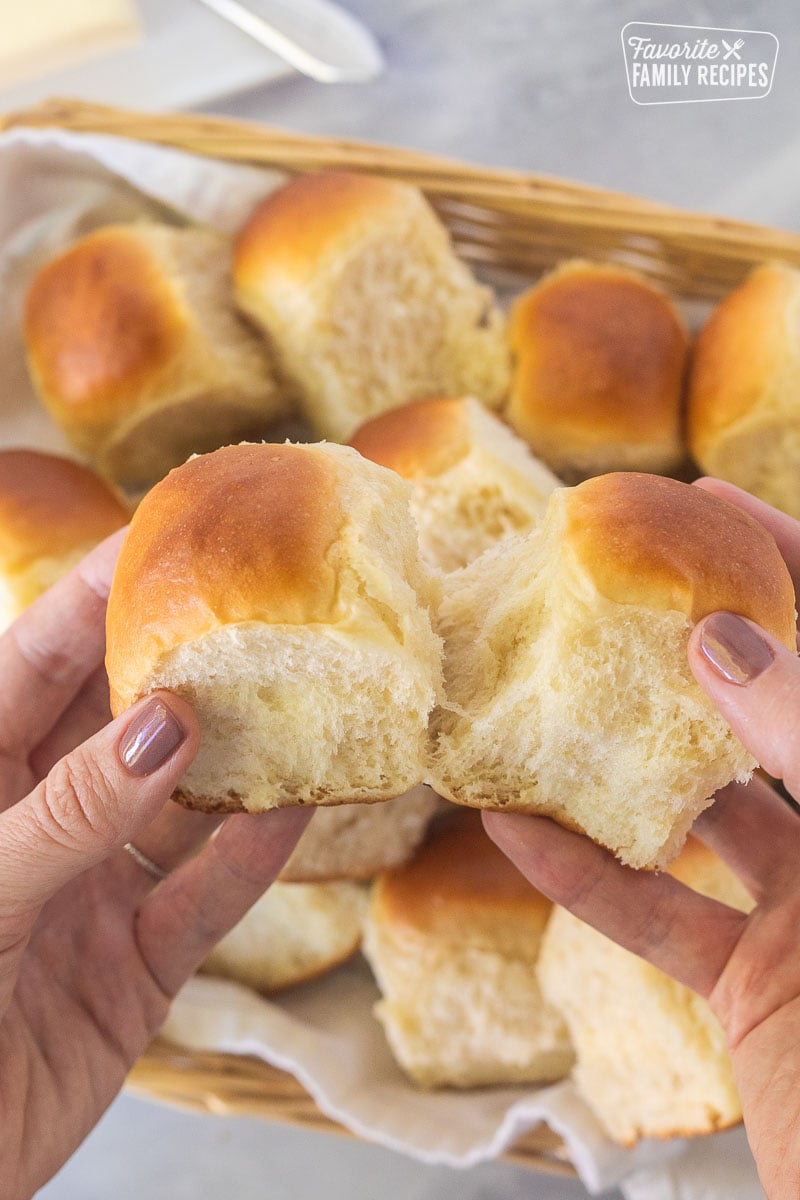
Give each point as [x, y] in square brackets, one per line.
[536, 84]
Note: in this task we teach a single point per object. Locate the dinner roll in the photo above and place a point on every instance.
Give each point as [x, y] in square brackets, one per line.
[358, 841]
[473, 482]
[651, 1055]
[52, 512]
[568, 689]
[294, 933]
[136, 349]
[744, 388]
[453, 939]
[355, 282]
[599, 364]
[279, 588]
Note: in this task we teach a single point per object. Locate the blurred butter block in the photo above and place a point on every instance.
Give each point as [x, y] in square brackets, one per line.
[46, 35]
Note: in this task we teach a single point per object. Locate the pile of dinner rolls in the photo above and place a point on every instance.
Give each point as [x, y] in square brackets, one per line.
[427, 613]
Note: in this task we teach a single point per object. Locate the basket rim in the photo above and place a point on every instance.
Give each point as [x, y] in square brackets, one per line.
[216, 131]
[231, 1085]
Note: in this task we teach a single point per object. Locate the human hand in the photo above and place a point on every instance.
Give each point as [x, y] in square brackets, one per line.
[92, 947]
[748, 967]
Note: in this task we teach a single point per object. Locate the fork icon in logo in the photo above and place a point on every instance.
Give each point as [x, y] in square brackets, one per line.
[734, 49]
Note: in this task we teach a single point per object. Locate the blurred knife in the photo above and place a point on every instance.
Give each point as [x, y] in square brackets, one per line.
[316, 37]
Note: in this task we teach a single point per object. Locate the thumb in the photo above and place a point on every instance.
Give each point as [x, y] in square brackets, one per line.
[755, 683]
[93, 800]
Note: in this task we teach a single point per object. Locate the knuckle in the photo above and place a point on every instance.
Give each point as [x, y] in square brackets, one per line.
[578, 889]
[655, 925]
[75, 803]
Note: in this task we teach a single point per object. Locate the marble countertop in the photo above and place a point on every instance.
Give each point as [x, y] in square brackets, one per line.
[540, 85]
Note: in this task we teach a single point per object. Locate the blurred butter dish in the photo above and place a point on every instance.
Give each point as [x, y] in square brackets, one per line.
[186, 57]
[49, 35]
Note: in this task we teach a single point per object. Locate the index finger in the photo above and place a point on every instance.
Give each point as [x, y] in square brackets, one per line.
[785, 529]
[689, 936]
[50, 652]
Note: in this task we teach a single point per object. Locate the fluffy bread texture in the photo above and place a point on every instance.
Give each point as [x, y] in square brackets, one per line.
[453, 939]
[294, 933]
[280, 589]
[744, 388]
[651, 1055]
[52, 512]
[568, 689]
[473, 481]
[135, 347]
[364, 302]
[600, 356]
[358, 841]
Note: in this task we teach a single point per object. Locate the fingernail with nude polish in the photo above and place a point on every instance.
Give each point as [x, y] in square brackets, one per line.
[151, 738]
[733, 648]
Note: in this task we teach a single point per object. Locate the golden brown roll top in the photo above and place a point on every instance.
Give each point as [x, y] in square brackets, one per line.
[473, 481]
[301, 227]
[363, 300]
[243, 534]
[599, 364]
[249, 533]
[741, 351]
[744, 388]
[52, 512]
[134, 346]
[458, 881]
[423, 438]
[671, 547]
[101, 320]
[280, 589]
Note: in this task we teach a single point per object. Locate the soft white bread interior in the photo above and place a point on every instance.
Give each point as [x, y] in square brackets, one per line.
[600, 356]
[358, 841]
[280, 589]
[651, 1056]
[137, 350]
[473, 481]
[52, 512]
[453, 939]
[568, 688]
[295, 932]
[356, 284]
[744, 388]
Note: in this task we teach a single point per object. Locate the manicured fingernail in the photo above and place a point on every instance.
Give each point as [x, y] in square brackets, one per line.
[151, 738]
[734, 649]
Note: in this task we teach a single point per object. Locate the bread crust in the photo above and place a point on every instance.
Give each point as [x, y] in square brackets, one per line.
[297, 226]
[458, 876]
[600, 357]
[685, 550]
[50, 506]
[136, 349]
[426, 437]
[746, 363]
[101, 320]
[277, 569]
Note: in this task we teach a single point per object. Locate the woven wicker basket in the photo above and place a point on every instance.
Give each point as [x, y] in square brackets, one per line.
[516, 225]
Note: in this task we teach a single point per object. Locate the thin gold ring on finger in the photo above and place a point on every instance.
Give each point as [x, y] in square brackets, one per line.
[145, 863]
